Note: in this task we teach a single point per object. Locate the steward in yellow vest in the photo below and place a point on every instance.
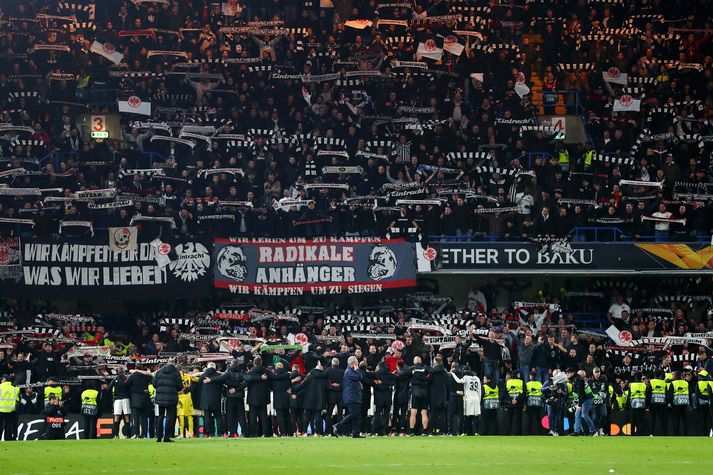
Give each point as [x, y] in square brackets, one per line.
[659, 403]
[90, 412]
[491, 404]
[534, 404]
[680, 392]
[9, 396]
[515, 397]
[639, 393]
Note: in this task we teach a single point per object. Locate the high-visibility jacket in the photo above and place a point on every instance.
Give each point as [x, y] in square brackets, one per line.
[680, 392]
[563, 156]
[704, 390]
[491, 397]
[514, 387]
[9, 395]
[89, 396]
[533, 390]
[491, 392]
[658, 391]
[637, 391]
[588, 156]
[89, 402]
[56, 390]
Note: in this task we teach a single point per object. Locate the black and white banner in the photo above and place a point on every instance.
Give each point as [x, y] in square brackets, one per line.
[336, 266]
[89, 269]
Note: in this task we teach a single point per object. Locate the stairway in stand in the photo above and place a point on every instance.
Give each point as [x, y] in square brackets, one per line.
[537, 82]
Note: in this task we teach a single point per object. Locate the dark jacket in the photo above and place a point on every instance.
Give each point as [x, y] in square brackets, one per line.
[280, 385]
[138, 385]
[352, 387]
[438, 394]
[119, 388]
[335, 378]
[167, 382]
[233, 379]
[47, 364]
[210, 392]
[382, 390]
[420, 380]
[314, 387]
[258, 388]
[403, 385]
[296, 403]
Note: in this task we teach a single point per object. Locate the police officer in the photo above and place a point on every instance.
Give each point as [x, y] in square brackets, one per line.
[513, 402]
[9, 396]
[658, 403]
[639, 394]
[533, 405]
[491, 404]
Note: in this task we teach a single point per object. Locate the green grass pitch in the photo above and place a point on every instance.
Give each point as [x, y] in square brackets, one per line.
[397, 455]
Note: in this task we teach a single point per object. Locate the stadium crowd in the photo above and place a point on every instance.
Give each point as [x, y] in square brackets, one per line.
[416, 365]
[305, 118]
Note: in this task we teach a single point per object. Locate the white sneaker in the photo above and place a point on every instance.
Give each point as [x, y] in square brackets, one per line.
[556, 434]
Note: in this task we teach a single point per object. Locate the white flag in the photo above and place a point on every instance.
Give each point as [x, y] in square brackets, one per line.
[429, 50]
[123, 238]
[615, 76]
[626, 103]
[620, 337]
[108, 51]
[451, 44]
[134, 105]
[522, 89]
[162, 249]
